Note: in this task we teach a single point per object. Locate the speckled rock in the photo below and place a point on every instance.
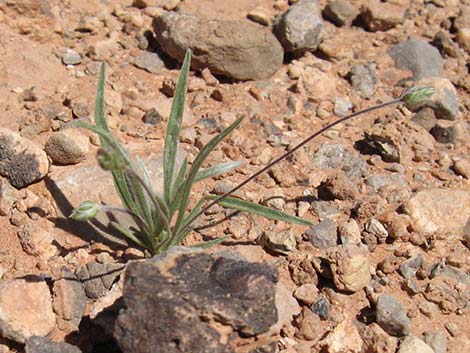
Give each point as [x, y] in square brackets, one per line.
[235, 49]
[419, 56]
[25, 309]
[69, 146]
[298, 29]
[439, 211]
[363, 79]
[22, 162]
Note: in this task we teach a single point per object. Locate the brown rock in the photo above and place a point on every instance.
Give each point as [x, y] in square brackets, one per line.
[309, 326]
[381, 16]
[343, 339]
[37, 241]
[377, 340]
[307, 293]
[316, 85]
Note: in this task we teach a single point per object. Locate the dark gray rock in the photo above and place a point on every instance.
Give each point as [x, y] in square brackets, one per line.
[332, 156]
[445, 44]
[447, 132]
[409, 267]
[149, 62]
[391, 316]
[22, 162]
[184, 298]
[98, 278]
[38, 344]
[152, 117]
[69, 301]
[363, 79]
[322, 308]
[340, 12]
[419, 56]
[235, 49]
[323, 235]
[298, 29]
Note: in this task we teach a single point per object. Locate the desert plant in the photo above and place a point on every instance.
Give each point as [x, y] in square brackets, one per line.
[162, 221]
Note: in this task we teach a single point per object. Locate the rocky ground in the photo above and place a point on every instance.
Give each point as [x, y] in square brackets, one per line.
[384, 268]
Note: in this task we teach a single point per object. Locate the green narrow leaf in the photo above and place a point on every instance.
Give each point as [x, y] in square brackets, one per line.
[254, 208]
[210, 243]
[195, 168]
[178, 238]
[174, 128]
[128, 234]
[216, 170]
[179, 181]
[100, 120]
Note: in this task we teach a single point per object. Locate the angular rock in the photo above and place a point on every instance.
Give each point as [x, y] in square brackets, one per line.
[316, 85]
[409, 267]
[391, 316]
[322, 308]
[281, 242]
[376, 230]
[8, 195]
[447, 47]
[235, 49]
[286, 307]
[447, 132]
[306, 293]
[439, 211]
[413, 344]
[418, 56]
[377, 340]
[69, 301]
[350, 233]
[309, 325]
[340, 12]
[67, 147]
[199, 300]
[363, 79]
[343, 339]
[382, 16]
[98, 278]
[323, 235]
[383, 141]
[436, 340]
[36, 241]
[25, 309]
[22, 162]
[350, 267]
[38, 344]
[444, 102]
[426, 118]
[298, 29]
[150, 62]
[339, 187]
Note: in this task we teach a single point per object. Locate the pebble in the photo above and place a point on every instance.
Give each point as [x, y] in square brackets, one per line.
[419, 57]
[444, 101]
[150, 62]
[8, 196]
[321, 307]
[71, 57]
[98, 278]
[281, 242]
[152, 117]
[391, 316]
[426, 118]
[37, 344]
[22, 162]
[309, 325]
[350, 233]
[36, 241]
[364, 79]
[68, 146]
[344, 338]
[382, 16]
[463, 38]
[306, 293]
[409, 267]
[413, 344]
[342, 106]
[436, 340]
[259, 16]
[235, 49]
[443, 41]
[323, 235]
[377, 340]
[339, 187]
[462, 167]
[340, 12]
[316, 85]
[350, 267]
[447, 132]
[299, 28]
[439, 211]
[376, 230]
[25, 309]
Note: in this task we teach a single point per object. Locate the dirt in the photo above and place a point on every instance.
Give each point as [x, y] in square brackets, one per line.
[34, 35]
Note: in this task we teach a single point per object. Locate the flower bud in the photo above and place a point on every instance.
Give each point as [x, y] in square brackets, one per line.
[86, 211]
[110, 159]
[417, 96]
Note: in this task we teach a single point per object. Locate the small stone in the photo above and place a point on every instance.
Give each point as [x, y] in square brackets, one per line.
[36, 241]
[377, 340]
[363, 79]
[426, 118]
[80, 111]
[382, 16]
[342, 106]
[339, 187]
[306, 293]
[22, 162]
[66, 147]
[445, 44]
[340, 12]
[418, 56]
[309, 325]
[71, 57]
[376, 181]
[409, 267]
[436, 340]
[8, 196]
[463, 38]
[316, 85]
[25, 309]
[89, 24]
[323, 235]
[447, 132]
[37, 344]
[382, 141]
[350, 267]
[321, 307]
[98, 278]
[343, 338]
[29, 95]
[444, 100]
[413, 344]
[150, 62]
[259, 16]
[152, 117]
[439, 211]
[462, 167]
[281, 242]
[349, 233]
[298, 29]
[391, 316]
[377, 230]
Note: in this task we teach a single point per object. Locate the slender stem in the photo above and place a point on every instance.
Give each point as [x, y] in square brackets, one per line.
[288, 153]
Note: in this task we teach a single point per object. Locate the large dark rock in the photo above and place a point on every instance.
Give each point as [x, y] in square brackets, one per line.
[236, 49]
[38, 344]
[189, 301]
